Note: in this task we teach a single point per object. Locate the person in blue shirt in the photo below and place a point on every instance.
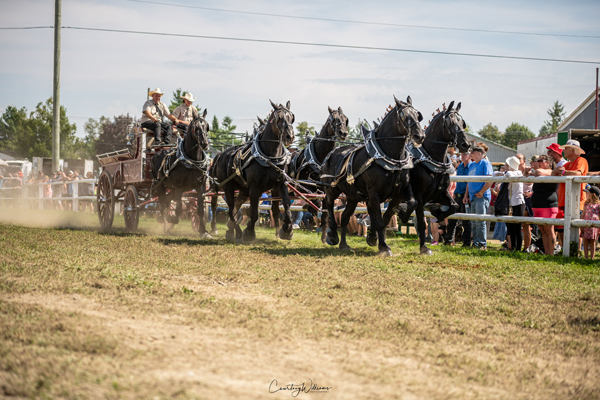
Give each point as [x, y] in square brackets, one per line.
[459, 194]
[479, 195]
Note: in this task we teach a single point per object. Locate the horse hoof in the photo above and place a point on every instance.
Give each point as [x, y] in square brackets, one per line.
[286, 235]
[332, 241]
[372, 240]
[425, 251]
[346, 248]
[248, 236]
[230, 236]
[214, 232]
[385, 253]
[205, 235]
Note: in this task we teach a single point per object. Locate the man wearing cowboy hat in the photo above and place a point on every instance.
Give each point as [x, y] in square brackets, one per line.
[153, 112]
[577, 166]
[186, 112]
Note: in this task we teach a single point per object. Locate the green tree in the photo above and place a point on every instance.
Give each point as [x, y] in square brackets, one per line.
[491, 132]
[176, 101]
[111, 134]
[303, 131]
[556, 114]
[222, 133]
[515, 133]
[31, 135]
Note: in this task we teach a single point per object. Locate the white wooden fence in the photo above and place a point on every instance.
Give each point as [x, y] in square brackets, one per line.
[571, 222]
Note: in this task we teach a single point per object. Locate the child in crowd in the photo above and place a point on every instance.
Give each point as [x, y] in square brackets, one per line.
[591, 212]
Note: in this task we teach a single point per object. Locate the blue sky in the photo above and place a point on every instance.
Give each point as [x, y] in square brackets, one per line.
[109, 73]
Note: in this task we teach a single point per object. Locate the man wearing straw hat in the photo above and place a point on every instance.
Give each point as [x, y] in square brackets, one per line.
[577, 166]
[153, 112]
[186, 112]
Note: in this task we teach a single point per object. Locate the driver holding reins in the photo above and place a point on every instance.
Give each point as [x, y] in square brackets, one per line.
[153, 112]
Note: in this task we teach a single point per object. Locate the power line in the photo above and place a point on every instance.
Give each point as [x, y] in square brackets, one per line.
[364, 22]
[340, 46]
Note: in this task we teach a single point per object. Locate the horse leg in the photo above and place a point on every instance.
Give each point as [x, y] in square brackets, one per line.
[421, 227]
[408, 206]
[286, 231]
[332, 235]
[275, 214]
[200, 209]
[213, 206]
[161, 193]
[230, 199]
[239, 201]
[324, 214]
[178, 207]
[249, 233]
[348, 212]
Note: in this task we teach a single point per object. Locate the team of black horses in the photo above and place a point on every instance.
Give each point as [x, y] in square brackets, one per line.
[398, 163]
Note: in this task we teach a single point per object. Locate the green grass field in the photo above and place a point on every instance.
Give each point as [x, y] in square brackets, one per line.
[87, 314]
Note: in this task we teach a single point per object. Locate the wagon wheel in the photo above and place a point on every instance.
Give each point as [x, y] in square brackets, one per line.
[131, 211]
[106, 200]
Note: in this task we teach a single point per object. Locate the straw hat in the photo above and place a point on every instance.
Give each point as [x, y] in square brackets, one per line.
[574, 144]
[157, 91]
[513, 163]
[188, 96]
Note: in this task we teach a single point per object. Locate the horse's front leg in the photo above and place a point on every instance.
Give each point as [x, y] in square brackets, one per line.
[200, 209]
[239, 201]
[162, 198]
[323, 222]
[421, 229]
[249, 233]
[286, 231]
[409, 203]
[332, 237]
[178, 206]
[348, 212]
[213, 207]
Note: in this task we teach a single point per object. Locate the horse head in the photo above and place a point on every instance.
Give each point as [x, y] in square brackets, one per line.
[409, 118]
[198, 131]
[281, 121]
[338, 124]
[454, 128]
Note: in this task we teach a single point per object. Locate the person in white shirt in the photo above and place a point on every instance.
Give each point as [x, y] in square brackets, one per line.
[517, 202]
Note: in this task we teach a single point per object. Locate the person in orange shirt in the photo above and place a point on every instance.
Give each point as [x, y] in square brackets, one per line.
[577, 166]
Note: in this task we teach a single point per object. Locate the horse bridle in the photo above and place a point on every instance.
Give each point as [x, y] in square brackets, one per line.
[275, 118]
[404, 119]
[457, 129]
[337, 127]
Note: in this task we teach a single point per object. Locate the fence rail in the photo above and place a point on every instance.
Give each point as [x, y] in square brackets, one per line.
[571, 222]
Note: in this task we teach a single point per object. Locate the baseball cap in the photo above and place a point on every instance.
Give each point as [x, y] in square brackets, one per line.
[555, 148]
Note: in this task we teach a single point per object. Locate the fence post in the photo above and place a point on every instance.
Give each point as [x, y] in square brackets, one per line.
[75, 196]
[571, 234]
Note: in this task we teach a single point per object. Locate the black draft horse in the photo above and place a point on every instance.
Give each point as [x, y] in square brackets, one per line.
[182, 169]
[373, 172]
[306, 164]
[430, 177]
[254, 168]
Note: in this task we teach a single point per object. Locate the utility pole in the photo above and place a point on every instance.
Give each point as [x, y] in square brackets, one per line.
[56, 89]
